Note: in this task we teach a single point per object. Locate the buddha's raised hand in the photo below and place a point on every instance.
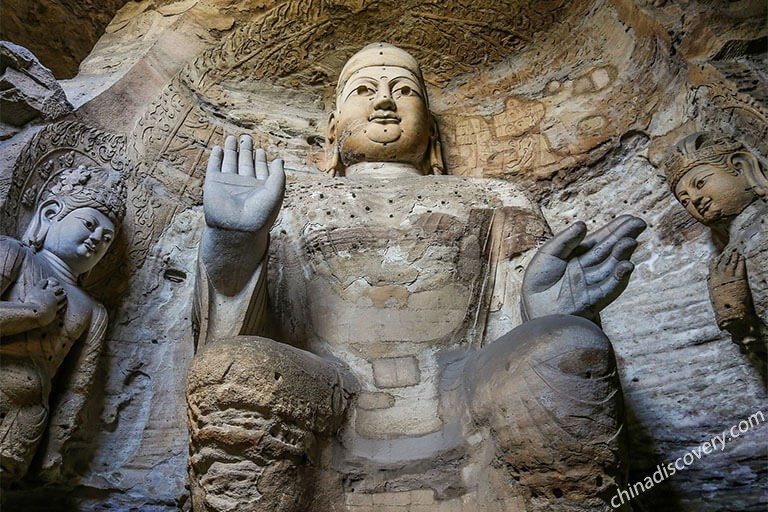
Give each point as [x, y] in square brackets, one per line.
[241, 192]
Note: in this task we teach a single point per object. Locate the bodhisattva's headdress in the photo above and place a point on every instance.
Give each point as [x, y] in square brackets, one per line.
[82, 187]
[700, 148]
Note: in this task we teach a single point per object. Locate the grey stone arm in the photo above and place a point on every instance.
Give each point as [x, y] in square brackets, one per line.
[576, 274]
[42, 303]
[242, 196]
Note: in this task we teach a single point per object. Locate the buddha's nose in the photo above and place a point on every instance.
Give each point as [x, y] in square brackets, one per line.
[383, 100]
[97, 235]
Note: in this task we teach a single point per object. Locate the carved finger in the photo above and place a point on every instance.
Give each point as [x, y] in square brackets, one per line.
[229, 165]
[214, 162]
[604, 231]
[262, 171]
[276, 180]
[562, 244]
[47, 283]
[725, 262]
[245, 165]
[607, 290]
[622, 251]
[630, 228]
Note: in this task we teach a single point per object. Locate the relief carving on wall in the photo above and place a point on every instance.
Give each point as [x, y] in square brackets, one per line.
[724, 186]
[51, 330]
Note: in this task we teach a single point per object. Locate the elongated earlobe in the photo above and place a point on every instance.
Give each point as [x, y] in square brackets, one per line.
[38, 227]
[332, 156]
[750, 166]
[436, 163]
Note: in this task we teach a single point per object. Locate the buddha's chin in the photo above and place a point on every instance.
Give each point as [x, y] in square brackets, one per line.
[383, 133]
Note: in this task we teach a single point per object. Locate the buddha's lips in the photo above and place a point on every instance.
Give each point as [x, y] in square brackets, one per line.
[704, 206]
[384, 118]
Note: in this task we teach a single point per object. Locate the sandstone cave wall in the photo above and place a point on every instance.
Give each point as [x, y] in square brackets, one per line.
[571, 100]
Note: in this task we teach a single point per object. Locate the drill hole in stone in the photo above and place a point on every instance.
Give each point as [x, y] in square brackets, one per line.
[174, 275]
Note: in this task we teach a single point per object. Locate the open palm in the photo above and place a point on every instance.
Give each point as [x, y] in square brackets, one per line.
[575, 274]
[241, 192]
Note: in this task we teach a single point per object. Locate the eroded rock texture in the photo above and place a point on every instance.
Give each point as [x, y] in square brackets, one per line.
[561, 98]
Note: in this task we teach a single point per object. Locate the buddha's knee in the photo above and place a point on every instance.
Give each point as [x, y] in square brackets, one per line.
[256, 410]
[550, 394]
[561, 361]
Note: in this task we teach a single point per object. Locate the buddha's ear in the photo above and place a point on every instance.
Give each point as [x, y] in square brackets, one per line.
[38, 227]
[748, 164]
[332, 156]
[436, 163]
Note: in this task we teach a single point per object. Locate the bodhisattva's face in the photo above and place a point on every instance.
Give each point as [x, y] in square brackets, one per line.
[711, 193]
[80, 238]
[382, 116]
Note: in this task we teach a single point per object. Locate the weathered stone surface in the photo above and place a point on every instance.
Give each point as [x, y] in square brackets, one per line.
[61, 34]
[618, 72]
[52, 331]
[28, 91]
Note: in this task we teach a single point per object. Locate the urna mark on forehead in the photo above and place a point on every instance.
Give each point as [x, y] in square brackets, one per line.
[379, 55]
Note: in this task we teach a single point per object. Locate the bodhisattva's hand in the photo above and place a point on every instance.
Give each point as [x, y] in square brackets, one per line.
[47, 298]
[729, 288]
[575, 274]
[241, 192]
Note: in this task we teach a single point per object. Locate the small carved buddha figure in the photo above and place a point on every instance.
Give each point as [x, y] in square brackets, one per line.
[47, 318]
[724, 186]
[383, 379]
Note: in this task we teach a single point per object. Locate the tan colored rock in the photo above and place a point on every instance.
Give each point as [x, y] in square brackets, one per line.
[725, 187]
[29, 91]
[670, 65]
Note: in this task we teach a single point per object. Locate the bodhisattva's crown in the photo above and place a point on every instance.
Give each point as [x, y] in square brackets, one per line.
[697, 149]
[103, 188]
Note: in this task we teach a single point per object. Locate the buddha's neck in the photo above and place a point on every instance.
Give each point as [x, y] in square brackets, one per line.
[381, 170]
[57, 266]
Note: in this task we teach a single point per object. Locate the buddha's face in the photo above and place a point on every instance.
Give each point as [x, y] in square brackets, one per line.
[382, 116]
[80, 238]
[711, 193]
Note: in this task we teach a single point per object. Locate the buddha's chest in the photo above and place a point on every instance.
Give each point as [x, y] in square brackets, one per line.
[363, 262]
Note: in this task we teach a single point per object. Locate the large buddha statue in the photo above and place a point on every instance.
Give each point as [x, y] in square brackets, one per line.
[47, 321]
[724, 186]
[374, 383]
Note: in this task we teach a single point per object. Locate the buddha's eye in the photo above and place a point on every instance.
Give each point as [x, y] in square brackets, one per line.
[684, 202]
[363, 90]
[107, 238]
[700, 182]
[89, 224]
[404, 91]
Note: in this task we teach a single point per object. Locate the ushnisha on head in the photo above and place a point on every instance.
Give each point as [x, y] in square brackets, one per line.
[382, 115]
[713, 176]
[78, 215]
